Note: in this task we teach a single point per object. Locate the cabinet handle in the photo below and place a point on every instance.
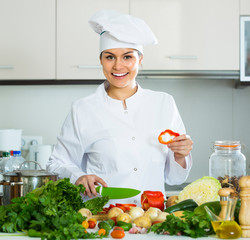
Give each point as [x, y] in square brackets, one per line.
[191, 57]
[6, 67]
[89, 66]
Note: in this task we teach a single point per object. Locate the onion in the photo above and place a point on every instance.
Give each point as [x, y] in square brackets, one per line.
[153, 213]
[85, 213]
[114, 212]
[135, 212]
[162, 216]
[124, 217]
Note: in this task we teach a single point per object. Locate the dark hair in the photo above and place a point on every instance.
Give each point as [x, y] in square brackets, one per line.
[139, 53]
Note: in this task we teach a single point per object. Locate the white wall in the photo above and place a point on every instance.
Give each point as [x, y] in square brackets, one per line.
[211, 110]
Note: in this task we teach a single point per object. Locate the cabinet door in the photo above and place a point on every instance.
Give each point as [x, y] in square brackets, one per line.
[77, 43]
[27, 42]
[244, 7]
[192, 34]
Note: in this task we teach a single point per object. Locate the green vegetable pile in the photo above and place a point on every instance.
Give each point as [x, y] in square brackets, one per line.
[50, 212]
[191, 224]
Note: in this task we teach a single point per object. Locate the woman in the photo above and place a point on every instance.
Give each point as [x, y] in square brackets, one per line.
[110, 138]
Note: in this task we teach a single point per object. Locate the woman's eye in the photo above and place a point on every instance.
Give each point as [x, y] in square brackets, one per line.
[127, 57]
[110, 57]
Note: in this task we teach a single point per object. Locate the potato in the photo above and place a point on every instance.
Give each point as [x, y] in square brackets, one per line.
[125, 217]
[172, 200]
[143, 221]
[114, 212]
[136, 212]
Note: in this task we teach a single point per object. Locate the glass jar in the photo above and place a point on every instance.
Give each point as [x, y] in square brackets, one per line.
[227, 163]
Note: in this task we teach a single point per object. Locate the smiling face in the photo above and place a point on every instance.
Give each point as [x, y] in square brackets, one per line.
[120, 66]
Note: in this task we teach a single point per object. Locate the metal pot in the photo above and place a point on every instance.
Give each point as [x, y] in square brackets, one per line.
[20, 182]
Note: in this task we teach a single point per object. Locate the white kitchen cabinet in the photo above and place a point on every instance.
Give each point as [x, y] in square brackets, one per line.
[77, 43]
[27, 42]
[192, 34]
[244, 7]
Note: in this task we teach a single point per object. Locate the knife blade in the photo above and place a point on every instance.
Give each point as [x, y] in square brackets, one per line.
[117, 193]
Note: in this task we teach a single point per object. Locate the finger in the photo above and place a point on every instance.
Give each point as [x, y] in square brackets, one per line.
[101, 181]
[92, 188]
[87, 189]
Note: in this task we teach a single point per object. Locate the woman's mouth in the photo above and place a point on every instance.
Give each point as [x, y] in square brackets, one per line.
[119, 75]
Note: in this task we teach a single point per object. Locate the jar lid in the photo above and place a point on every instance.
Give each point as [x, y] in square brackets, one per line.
[227, 144]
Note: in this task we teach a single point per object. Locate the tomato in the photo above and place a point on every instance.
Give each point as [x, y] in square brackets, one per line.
[118, 228]
[93, 219]
[118, 234]
[101, 232]
[125, 207]
[92, 224]
[85, 224]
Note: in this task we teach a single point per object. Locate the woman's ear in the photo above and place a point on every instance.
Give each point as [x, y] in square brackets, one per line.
[141, 60]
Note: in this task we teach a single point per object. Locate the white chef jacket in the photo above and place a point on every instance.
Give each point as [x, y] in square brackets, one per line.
[120, 145]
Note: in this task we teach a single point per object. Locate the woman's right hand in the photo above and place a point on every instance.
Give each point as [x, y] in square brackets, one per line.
[90, 182]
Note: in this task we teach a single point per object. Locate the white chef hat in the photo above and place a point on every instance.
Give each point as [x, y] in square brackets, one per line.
[121, 31]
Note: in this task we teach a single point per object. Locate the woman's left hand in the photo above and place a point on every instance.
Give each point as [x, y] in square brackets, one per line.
[181, 146]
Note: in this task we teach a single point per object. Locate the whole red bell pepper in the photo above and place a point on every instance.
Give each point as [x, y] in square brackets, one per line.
[152, 199]
[171, 135]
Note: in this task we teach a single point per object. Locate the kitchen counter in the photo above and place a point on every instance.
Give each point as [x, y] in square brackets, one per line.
[151, 236]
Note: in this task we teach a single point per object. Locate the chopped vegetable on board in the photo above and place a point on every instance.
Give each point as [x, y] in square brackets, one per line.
[202, 190]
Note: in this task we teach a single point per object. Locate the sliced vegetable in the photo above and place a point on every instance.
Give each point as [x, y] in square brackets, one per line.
[188, 205]
[167, 136]
[202, 190]
[152, 199]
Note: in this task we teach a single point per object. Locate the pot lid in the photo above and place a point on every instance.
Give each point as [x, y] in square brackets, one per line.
[29, 173]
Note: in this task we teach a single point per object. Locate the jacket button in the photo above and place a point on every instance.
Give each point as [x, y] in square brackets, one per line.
[133, 138]
[135, 169]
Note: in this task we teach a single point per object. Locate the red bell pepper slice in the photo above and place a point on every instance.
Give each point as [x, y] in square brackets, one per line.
[152, 199]
[171, 135]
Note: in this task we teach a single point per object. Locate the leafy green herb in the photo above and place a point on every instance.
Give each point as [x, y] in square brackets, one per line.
[191, 224]
[95, 205]
[50, 212]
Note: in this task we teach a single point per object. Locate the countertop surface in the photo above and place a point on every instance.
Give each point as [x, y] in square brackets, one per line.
[151, 236]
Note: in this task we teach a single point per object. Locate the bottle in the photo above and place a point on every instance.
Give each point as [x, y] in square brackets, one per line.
[227, 164]
[16, 160]
[5, 160]
[228, 228]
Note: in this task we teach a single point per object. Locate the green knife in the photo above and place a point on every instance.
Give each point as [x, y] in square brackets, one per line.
[117, 193]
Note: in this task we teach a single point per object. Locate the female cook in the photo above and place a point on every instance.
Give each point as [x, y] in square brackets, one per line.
[110, 138]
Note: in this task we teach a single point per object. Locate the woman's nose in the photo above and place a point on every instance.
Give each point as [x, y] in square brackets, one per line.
[118, 64]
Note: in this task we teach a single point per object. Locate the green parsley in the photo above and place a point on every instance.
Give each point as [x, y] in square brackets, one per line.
[50, 212]
[191, 224]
